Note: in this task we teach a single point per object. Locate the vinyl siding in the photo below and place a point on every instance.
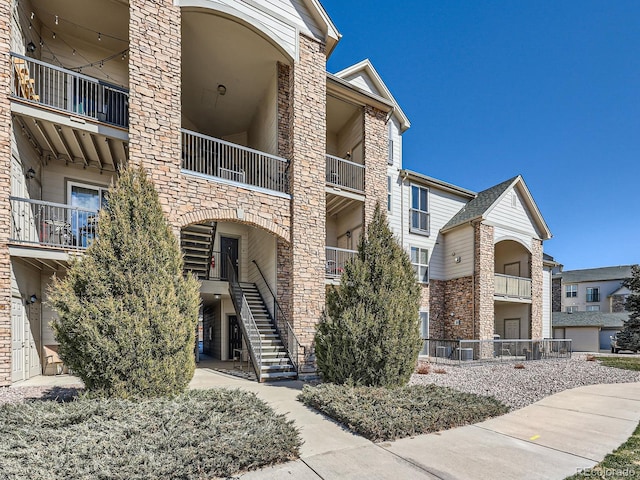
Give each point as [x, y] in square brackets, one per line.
[509, 311]
[262, 249]
[458, 243]
[349, 137]
[606, 288]
[263, 132]
[502, 233]
[362, 81]
[56, 175]
[515, 218]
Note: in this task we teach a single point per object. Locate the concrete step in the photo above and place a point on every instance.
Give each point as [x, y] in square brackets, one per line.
[279, 376]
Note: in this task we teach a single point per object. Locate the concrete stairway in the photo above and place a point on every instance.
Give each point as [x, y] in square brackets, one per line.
[275, 364]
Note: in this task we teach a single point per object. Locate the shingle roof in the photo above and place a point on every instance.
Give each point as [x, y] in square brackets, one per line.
[479, 205]
[589, 319]
[595, 274]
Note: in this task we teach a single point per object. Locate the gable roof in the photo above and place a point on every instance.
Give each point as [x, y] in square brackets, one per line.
[366, 67]
[589, 319]
[320, 15]
[480, 207]
[601, 274]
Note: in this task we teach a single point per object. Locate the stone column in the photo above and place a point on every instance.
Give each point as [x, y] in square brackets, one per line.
[5, 191]
[376, 153]
[154, 96]
[308, 205]
[535, 266]
[484, 286]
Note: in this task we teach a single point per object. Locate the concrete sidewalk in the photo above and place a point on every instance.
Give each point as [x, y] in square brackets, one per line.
[549, 439]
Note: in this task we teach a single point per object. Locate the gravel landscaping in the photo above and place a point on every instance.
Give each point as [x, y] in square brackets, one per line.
[518, 388]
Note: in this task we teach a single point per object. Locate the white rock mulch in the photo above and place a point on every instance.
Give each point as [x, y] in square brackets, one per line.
[21, 394]
[518, 388]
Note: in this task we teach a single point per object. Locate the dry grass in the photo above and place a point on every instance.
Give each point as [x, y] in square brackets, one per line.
[441, 371]
[519, 366]
[423, 368]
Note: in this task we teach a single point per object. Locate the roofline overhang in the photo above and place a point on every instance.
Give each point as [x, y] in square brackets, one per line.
[346, 91]
[332, 35]
[439, 184]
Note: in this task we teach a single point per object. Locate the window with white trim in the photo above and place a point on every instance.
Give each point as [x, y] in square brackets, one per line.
[572, 308]
[593, 308]
[419, 211]
[571, 291]
[593, 294]
[89, 199]
[389, 194]
[420, 262]
[424, 331]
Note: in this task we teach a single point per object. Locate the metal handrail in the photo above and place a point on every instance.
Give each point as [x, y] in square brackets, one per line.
[336, 258]
[235, 163]
[248, 323]
[344, 173]
[293, 344]
[40, 82]
[51, 224]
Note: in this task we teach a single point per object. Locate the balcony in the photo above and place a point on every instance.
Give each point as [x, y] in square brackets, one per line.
[70, 92]
[512, 287]
[233, 164]
[47, 224]
[344, 174]
[336, 260]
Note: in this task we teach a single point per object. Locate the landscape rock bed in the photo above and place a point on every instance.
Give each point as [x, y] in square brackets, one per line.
[518, 388]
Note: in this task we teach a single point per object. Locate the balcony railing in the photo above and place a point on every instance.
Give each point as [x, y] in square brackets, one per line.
[69, 91]
[34, 222]
[217, 158]
[514, 287]
[344, 174]
[336, 260]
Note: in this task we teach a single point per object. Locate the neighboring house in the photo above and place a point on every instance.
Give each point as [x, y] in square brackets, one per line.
[588, 331]
[267, 167]
[589, 305]
[591, 290]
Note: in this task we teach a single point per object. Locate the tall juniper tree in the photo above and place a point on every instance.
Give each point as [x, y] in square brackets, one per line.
[370, 333]
[629, 337]
[127, 315]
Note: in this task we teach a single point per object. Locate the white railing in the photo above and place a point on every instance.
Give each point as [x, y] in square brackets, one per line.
[344, 173]
[217, 158]
[336, 260]
[515, 287]
[69, 91]
[51, 224]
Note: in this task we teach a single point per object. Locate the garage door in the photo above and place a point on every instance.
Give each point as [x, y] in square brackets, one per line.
[605, 340]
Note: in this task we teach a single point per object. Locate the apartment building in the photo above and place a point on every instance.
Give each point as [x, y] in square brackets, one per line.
[268, 168]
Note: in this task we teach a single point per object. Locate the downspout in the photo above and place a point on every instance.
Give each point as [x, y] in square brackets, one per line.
[403, 179]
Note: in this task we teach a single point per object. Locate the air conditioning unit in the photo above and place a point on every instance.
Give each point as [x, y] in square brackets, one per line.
[464, 354]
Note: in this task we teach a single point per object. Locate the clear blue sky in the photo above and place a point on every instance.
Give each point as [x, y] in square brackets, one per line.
[549, 89]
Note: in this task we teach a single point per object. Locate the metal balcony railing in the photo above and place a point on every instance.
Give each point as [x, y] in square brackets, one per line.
[217, 158]
[336, 260]
[69, 91]
[34, 222]
[344, 174]
[515, 287]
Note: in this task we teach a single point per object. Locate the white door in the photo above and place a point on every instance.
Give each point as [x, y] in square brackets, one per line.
[33, 357]
[512, 328]
[18, 344]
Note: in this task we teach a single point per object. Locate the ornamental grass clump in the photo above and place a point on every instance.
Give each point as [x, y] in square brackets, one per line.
[126, 314]
[370, 334]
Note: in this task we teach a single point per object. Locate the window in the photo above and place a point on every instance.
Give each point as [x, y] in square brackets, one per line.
[389, 194]
[572, 291]
[593, 294]
[420, 262]
[424, 330]
[593, 308]
[419, 210]
[390, 159]
[572, 309]
[89, 199]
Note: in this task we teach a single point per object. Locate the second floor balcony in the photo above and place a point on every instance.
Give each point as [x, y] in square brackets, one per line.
[336, 260]
[512, 287]
[344, 174]
[67, 91]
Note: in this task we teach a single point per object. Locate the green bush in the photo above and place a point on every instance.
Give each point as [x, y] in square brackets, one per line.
[381, 414]
[127, 316]
[370, 334]
[198, 435]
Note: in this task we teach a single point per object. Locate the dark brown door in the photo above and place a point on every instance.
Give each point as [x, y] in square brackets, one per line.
[229, 249]
[235, 337]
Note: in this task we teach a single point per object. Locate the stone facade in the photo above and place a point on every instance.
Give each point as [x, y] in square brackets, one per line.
[556, 295]
[484, 281]
[376, 152]
[154, 96]
[5, 191]
[459, 309]
[618, 303]
[308, 202]
[536, 270]
[436, 309]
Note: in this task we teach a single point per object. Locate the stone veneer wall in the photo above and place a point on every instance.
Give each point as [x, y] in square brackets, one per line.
[376, 153]
[484, 281]
[154, 96]
[536, 269]
[459, 301]
[436, 309]
[618, 303]
[5, 191]
[308, 204]
[556, 295]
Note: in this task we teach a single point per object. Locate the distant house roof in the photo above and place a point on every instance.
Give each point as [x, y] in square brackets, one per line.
[589, 319]
[479, 207]
[595, 274]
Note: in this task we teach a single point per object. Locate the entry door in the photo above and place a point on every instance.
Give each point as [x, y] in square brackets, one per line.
[18, 344]
[228, 248]
[235, 336]
[512, 328]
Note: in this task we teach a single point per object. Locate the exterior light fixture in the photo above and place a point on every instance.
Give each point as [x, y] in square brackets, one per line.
[31, 47]
[222, 90]
[31, 173]
[33, 298]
